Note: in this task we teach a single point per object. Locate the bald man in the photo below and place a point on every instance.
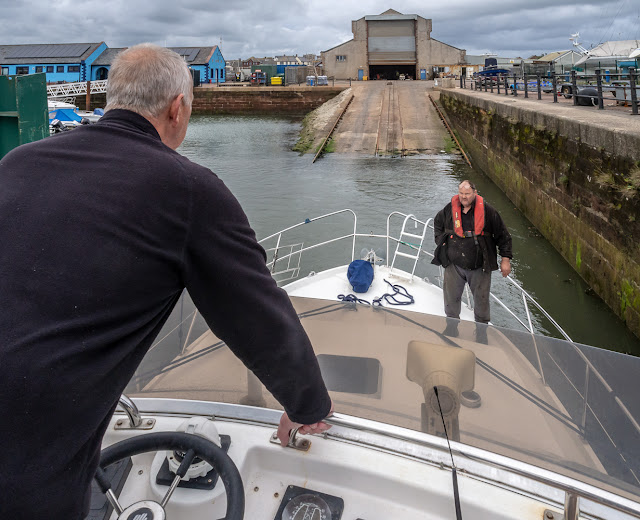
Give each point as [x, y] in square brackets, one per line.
[467, 232]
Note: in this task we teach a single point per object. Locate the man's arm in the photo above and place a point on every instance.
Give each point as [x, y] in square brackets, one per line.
[503, 241]
[228, 280]
[438, 227]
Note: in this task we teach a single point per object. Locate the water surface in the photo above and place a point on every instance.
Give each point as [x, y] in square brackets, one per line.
[278, 187]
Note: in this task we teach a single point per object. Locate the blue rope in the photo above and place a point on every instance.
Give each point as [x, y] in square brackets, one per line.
[352, 298]
[398, 291]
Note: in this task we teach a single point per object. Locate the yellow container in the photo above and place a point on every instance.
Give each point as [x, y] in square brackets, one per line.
[365, 78]
[276, 80]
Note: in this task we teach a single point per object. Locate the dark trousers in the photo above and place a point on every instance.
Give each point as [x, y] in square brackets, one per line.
[479, 282]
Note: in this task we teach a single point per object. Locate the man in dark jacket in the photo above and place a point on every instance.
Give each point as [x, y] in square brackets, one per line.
[467, 231]
[101, 229]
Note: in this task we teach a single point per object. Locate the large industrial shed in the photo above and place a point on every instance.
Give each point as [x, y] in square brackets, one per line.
[387, 45]
[60, 61]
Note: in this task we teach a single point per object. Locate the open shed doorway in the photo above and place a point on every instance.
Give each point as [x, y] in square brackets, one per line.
[392, 71]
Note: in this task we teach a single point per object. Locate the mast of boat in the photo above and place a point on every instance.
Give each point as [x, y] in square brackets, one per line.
[454, 474]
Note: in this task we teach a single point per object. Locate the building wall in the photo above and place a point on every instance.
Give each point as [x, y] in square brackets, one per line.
[86, 70]
[217, 69]
[441, 54]
[356, 57]
[51, 76]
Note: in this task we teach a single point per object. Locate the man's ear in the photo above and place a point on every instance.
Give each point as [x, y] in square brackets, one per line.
[174, 109]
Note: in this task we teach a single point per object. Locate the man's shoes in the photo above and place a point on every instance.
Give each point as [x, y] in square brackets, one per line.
[452, 328]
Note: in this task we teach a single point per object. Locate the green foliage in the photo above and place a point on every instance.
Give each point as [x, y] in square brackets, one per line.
[330, 147]
[627, 298]
[449, 144]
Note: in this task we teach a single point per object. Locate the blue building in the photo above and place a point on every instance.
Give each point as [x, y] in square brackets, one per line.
[69, 62]
[208, 61]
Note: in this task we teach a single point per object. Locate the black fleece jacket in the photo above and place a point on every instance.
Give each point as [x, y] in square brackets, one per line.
[495, 235]
[101, 228]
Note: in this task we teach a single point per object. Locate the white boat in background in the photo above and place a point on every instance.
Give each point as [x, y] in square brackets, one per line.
[64, 115]
[434, 418]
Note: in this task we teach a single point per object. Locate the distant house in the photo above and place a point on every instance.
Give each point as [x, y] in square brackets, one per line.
[71, 62]
[59, 61]
[250, 62]
[288, 60]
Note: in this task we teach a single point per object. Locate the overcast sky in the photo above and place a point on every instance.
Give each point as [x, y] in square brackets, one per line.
[511, 28]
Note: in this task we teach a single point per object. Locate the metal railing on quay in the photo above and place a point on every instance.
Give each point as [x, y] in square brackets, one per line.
[583, 89]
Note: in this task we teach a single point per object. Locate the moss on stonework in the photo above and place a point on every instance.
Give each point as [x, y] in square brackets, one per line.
[627, 298]
[305, 142]
[578, 257]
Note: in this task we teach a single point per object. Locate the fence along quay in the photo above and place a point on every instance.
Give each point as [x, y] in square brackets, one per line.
[589, 89]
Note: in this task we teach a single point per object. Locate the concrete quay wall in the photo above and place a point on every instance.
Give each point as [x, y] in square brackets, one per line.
[261, 100]
[575, 174]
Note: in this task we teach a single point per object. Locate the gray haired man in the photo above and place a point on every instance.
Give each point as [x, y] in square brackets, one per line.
[103, 228]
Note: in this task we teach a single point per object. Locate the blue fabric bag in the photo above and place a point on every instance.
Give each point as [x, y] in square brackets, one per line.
[360, 275]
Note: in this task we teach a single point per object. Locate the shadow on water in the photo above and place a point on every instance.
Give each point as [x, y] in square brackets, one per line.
[278, 187]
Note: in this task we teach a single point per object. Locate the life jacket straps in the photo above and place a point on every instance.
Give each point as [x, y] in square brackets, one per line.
[478, 217]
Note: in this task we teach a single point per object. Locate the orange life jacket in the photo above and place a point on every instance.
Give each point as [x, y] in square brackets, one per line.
[478, 216]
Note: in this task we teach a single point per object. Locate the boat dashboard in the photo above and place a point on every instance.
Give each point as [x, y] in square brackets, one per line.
[331, 476]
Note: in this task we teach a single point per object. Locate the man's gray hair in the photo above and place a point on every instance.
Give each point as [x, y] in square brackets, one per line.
[146, 78]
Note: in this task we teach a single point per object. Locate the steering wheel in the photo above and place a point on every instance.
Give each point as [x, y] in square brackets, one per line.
[189, 443]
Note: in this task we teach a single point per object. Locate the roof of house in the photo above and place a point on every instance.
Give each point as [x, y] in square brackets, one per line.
[107, 57]
[391, 14]
[46, 53]
[195, 55]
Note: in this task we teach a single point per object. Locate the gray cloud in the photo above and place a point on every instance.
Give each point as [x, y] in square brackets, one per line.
[510, 29]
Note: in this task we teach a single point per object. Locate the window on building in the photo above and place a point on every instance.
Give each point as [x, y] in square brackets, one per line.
[60, 68]
[22, 70]
[4, 71]
[49, 68]
[340, 57]
[73, 68]
[39, 68]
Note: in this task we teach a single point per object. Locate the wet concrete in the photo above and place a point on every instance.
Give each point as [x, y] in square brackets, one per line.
[390, 118]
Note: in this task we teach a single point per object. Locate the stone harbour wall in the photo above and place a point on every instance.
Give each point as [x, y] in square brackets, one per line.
[294, 100]
[261, 100]
[575, 175]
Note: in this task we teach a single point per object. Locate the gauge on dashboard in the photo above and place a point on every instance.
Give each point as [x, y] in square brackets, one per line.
[307, 507]
[301, 503]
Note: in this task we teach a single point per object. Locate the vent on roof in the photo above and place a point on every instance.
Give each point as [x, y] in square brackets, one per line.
[70, 50]
[189, 54]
